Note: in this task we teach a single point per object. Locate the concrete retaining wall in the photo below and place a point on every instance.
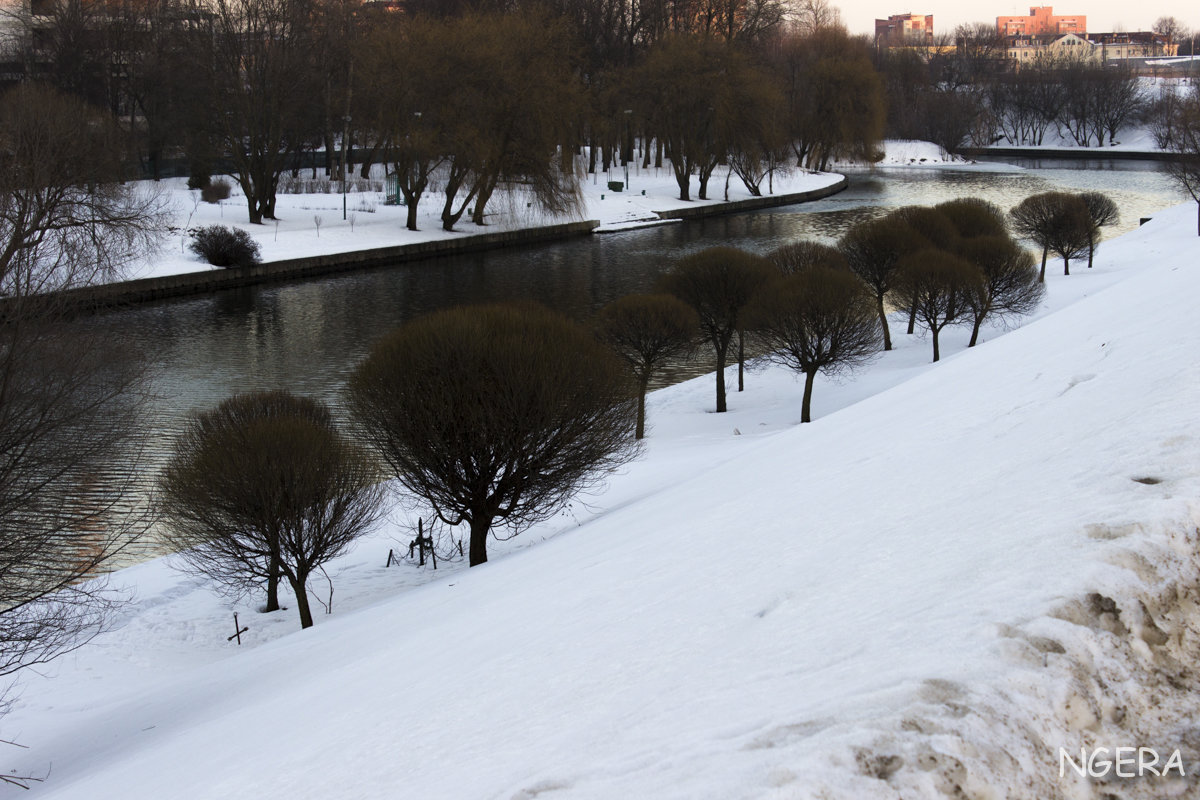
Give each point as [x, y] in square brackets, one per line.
[147, 289]
[753, 203]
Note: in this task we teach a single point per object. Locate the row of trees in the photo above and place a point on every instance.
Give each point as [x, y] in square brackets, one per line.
[468, 98]
[971, 96]
[496, 416]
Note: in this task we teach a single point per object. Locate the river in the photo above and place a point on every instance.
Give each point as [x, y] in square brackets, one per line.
[306, 336]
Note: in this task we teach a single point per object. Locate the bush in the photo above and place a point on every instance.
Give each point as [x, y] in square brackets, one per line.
[224, 247]
[215, 191]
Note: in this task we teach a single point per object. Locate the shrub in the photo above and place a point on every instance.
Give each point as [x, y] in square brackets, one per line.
[215, 190]
[224, 247]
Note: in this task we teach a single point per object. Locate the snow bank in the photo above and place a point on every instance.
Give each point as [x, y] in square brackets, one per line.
[916, 595]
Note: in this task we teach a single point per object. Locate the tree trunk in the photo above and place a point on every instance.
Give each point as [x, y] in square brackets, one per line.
[806, 406]
[887, 335]
[1066, 266]
[1042, 274]
[1091, 251]
[741, 360]
[273, 574]
[640, 430]
[912, 318]
[301, 591]
[936, 352]
[411, 222]
[975, 331]
[721, 380]
[479, 534]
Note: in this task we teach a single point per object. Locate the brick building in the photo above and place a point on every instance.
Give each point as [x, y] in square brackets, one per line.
[901, 30]
[1041, 21]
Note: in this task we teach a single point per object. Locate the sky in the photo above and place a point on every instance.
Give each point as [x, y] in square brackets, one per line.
[1102, 15]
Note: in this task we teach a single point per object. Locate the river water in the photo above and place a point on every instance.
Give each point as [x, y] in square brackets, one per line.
[306, 336]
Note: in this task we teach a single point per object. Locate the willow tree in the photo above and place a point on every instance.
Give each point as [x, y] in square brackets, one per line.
[257, 67]
[820, 320]
[835, 105]
[873, 249]
[495, 416]
[265, 487]
[718, 283]
[1010, 286]
[1058, 222]
[648, 332]
[938, 285]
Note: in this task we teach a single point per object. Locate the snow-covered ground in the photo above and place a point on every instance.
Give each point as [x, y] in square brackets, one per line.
[312, 224]
[895, 600]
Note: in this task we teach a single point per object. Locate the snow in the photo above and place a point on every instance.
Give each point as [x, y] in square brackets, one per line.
[371, 223]
[890, 601]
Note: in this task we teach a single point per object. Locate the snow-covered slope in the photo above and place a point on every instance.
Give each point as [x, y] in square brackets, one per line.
[889, 601]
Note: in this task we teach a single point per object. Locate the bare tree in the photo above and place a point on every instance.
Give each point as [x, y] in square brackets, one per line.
[1171, 28]
[972, 216]
[1058, 222]
[1010, 286]
[817, 320]
[70, 401]
[258, 67]
[718, 283]
[1184, 138]
[264, 486]
[804, 255]
[648, 332]
[835, 105]
[495, 415]
[873, 249]
[1102, 211]
[937, 284]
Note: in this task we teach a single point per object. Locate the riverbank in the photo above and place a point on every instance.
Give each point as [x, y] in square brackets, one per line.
[891, 600]
[311, 238]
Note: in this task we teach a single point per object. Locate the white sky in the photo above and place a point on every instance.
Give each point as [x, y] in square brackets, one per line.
[1102, 15]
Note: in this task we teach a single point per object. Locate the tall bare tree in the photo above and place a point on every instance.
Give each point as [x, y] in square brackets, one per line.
[70, 401]
[1184, 144]
[258, 68]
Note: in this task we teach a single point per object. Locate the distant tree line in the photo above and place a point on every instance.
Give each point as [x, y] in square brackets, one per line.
[466, 98]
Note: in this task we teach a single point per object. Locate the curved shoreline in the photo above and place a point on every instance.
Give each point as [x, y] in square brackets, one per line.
[144, 290]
